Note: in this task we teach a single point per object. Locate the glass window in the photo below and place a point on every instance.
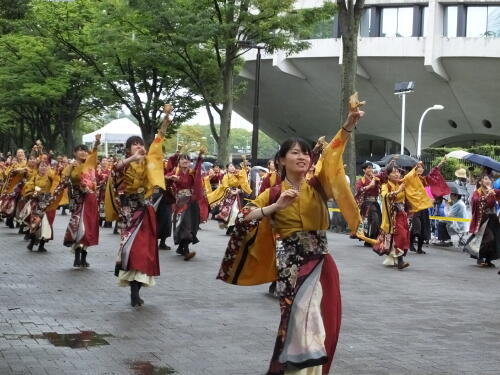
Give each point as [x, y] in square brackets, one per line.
[397, 22]
[322, 29]
[405, 22]
[364, 26]
[450, 21]
[493, 28]
[389, 22]
[425, 21]
[476, 21]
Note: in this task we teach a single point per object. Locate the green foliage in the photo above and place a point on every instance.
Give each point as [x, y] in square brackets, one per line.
[449, 167]
[193, 136]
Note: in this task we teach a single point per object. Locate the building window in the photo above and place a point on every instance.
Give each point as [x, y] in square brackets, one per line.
[425, 21]
[397, 22]
[365, 23]
[483, 21]
[476, 21]
[322, 29]
[450, 21]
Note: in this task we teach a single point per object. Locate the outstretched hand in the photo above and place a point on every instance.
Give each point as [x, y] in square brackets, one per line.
[167, 110]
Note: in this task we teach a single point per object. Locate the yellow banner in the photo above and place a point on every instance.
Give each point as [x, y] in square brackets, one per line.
[442, 218]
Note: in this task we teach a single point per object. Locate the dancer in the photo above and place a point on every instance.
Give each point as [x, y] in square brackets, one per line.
[394, 238]
[484, 242]
[307, 277]
[41, 186]
[420, 201]
[80, 179]
[11, 189]
[367, 193]
[227, 195]
[129, 197]
[271, 179]
[191, 206]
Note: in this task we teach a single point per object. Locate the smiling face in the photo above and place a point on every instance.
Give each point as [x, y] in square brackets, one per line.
[184, 162]
[20, 154]
[43, 167]
[419, 168]
[486, 182]
[394, 175]
[231, 168]
[296, 160]
[81, 155]
[369, 171]
[136, 146]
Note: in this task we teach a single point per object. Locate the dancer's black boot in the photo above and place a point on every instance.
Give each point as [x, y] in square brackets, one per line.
[401, 263]
[41, 248]
[78, 253]
[32, 243]
[135, 300]
[9, 222]
[83, 259]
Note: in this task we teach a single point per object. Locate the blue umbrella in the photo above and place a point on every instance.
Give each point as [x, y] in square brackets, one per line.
[485, 161]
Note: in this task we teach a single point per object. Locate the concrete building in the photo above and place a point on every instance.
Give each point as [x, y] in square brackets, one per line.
[450, 49]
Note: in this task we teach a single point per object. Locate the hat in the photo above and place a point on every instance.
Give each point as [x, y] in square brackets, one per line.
[461, 173]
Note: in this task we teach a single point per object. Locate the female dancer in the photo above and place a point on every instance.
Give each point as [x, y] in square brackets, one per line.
[80, 179]
[41, 186]
[484, 227]
[191, 206]
[420, 202]
[307, 277]
[367, 192]
[129, 198]
[227, 195]
[272, 178]
[394, 237]
[12, 186]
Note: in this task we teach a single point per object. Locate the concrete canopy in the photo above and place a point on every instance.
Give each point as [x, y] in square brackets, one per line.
[300, 94]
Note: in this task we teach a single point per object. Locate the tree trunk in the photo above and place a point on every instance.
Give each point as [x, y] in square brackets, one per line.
[350, 16]
[227, 109]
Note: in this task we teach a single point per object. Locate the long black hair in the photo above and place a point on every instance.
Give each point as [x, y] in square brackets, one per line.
[304, 146]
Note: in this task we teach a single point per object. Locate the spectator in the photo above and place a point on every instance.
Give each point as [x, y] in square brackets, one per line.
[455, 208]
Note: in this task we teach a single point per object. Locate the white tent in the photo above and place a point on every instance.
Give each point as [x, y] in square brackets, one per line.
[117, 131]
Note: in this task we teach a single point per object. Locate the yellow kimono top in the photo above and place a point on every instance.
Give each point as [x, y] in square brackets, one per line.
[207, 185]
[26, 188]
[415, 192]
[387, 225]
[46, 183]
[13, 177]
[230, 180]
[308, 212]
[137, 178]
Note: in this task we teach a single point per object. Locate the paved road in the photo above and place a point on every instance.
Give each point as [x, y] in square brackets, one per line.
[440, 316]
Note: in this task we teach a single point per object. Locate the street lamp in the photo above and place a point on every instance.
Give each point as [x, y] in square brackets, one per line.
[255, 131]
[438, 107]
[403, 88]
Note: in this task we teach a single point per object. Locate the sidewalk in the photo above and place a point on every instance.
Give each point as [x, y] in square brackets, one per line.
[440, 316]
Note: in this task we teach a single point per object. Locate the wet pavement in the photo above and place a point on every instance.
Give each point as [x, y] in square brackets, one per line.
[440, 316]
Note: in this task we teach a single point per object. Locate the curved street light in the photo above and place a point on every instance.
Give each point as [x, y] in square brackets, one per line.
[438, 107]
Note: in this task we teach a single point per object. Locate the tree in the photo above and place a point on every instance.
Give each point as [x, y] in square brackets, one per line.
[114, 39]
[205, 35]
[43, 90]
[349, 16]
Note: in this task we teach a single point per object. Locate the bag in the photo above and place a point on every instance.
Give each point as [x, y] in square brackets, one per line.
[473, 243]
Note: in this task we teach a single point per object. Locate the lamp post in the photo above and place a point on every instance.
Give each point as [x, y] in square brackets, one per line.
[403, 88]
[255, 131]
[438, 107]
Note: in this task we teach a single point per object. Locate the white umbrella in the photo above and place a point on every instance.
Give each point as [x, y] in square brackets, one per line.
[459, 154]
